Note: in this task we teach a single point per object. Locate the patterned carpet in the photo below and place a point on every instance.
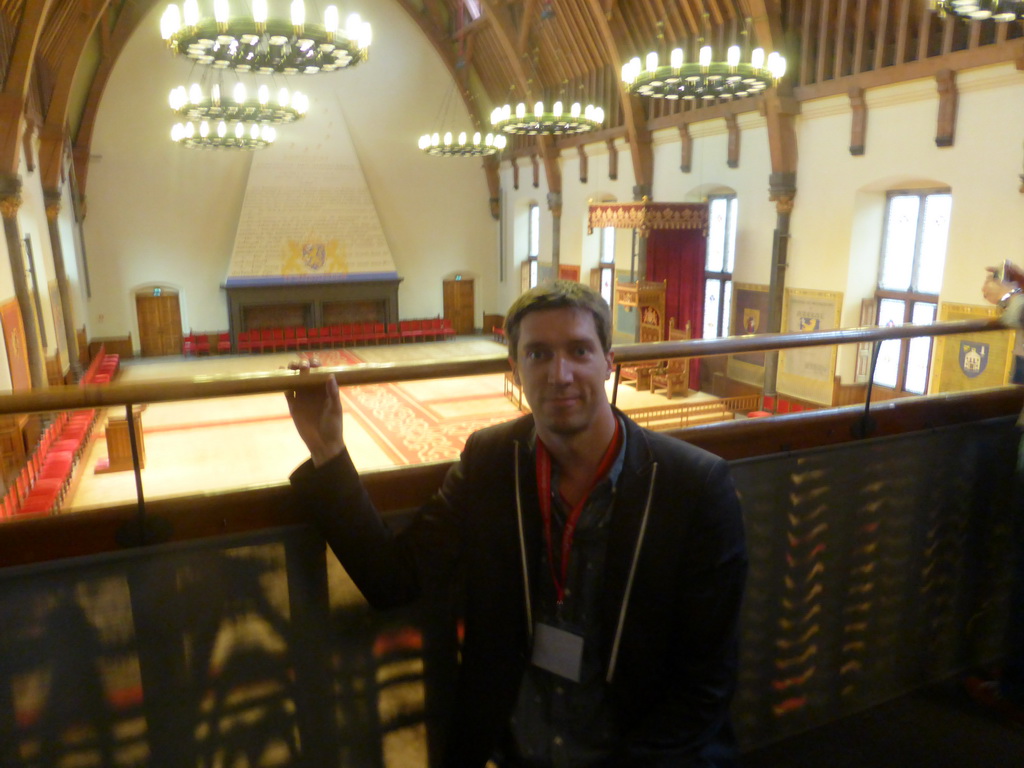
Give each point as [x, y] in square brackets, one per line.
[421, 422]
[228, 443]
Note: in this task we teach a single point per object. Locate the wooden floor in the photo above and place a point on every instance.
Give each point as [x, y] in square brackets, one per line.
[242, 442]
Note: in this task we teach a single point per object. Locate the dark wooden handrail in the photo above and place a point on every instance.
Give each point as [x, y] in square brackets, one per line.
[202, 387]
[170, 521]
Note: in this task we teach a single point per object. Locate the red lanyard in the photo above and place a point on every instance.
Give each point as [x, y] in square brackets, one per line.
[544, 491]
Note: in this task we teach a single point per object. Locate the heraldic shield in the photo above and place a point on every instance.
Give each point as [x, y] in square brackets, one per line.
[314, 255]
[973, 358]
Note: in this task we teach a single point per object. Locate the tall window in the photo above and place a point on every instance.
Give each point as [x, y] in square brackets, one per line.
[533, 247]
[607, 263]
[718, 265]
[909, 279]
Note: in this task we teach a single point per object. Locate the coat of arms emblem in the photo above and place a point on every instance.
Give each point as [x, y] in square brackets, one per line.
[314, 255]
[973, 358]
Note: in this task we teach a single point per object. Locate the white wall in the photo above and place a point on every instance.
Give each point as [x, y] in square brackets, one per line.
[836, 224]
[162, 214]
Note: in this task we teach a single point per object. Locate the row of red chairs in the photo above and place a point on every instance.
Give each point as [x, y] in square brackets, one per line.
[343, 334]
[204, 343]
[782, 405]
[43, 482]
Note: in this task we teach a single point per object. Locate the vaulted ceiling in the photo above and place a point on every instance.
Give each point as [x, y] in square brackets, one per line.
[56, 56]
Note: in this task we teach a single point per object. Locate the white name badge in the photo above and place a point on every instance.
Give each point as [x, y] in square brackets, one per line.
[558, 651]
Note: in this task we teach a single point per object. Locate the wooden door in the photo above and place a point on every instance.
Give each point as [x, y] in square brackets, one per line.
[458, 305]
[159, 322]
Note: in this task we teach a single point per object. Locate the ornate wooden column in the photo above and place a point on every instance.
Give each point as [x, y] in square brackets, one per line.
[782, 191]
[641, 194]
[52, 199]
[555, 206]
[10, 202]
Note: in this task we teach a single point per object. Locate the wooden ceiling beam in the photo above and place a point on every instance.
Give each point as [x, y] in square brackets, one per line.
[524, 26]
[53, 135]
[16, 85]
[502, 28]
[637, 134]
[766, 19]
[470, 28]
[128, 19]
[574, 43]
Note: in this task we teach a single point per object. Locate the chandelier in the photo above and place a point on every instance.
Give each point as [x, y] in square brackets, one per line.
[223, 136]
[557, 121]
[705, 78]
[261, 44]
[446, 146]
[979, 10]
[193, 104]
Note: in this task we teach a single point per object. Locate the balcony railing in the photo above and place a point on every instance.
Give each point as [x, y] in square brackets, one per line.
[188, 630]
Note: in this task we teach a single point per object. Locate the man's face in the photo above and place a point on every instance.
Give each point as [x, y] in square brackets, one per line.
[562, 369]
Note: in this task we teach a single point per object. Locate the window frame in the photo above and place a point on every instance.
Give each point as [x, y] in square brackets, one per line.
[912, 297]
[531, 268]
[725, 275]
[606, 263]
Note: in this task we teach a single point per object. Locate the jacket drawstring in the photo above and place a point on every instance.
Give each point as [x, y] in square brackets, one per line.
[632, 574]
[522, 548]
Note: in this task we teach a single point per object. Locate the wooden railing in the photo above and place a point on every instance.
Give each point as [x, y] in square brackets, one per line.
[830, 510]
[215, 514]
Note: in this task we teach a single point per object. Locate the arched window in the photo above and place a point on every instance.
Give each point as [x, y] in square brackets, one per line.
[909, 278]
[530, 267]
[718, 265]
[607, 263]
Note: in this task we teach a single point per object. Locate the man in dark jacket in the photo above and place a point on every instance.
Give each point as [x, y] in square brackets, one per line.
[603, 564]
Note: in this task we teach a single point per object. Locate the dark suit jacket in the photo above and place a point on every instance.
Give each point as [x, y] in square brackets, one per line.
[674, 580]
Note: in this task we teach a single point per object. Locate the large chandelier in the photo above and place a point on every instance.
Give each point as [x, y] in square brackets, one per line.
[540, 120]
[259, 43]
[449, 146]
[196, 105]
[222, 135]
[979, 10]
[705, 78]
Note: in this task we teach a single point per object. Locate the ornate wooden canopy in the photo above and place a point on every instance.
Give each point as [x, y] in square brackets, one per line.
[645, 216]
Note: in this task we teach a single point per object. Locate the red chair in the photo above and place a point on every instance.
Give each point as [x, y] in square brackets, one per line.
[313, 337]
[449, 332]
[289, 338]
[202, 344]
[188, 345]
[223, 343]
[266, 340]
[334, 335]
[278, 337]
[393, 333]
[379, 333]
[40, 501]
[301, 340]
[347, 335]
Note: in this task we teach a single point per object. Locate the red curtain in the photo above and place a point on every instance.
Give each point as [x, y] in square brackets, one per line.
[677, 257]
